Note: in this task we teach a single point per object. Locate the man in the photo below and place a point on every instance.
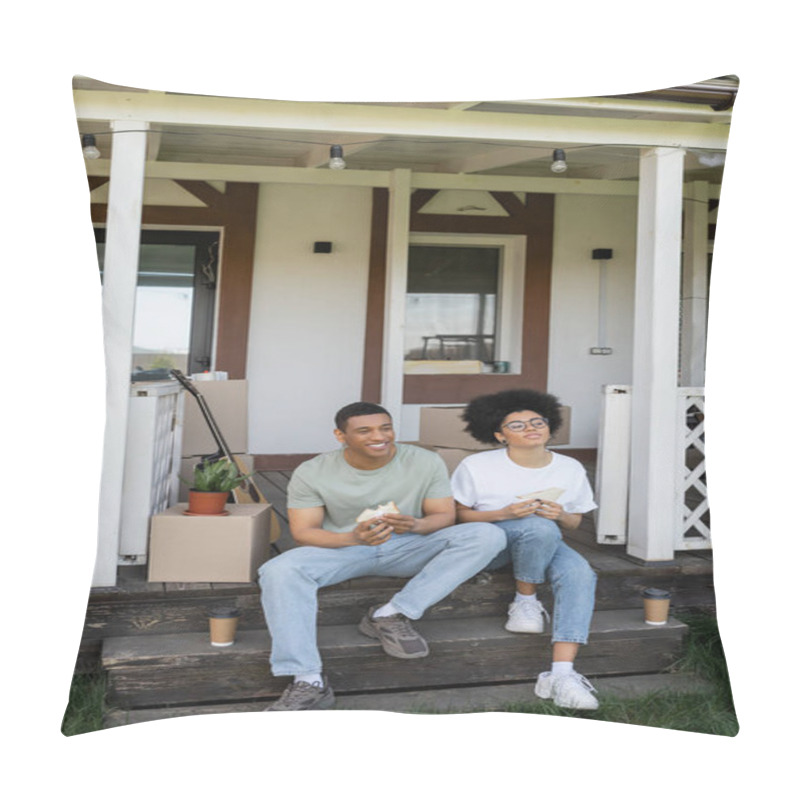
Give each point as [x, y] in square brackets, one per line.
[326, 496]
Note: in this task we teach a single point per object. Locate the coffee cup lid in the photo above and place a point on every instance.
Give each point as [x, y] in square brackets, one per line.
[224, 612]
[659, 594]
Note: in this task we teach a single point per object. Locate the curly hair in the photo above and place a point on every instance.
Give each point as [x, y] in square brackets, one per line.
[485, 414]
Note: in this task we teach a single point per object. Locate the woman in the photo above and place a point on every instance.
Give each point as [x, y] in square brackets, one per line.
[533, 493]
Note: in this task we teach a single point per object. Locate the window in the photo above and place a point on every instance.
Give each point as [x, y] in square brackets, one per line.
[464, 299]
[451, 303]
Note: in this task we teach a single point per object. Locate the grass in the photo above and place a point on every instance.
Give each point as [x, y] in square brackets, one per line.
[709, 712]
[86, 704]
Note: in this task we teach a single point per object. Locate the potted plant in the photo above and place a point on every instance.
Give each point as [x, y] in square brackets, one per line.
[212, 485]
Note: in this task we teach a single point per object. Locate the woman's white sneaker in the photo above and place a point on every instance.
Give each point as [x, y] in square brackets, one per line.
[571, 690]
[526, 616]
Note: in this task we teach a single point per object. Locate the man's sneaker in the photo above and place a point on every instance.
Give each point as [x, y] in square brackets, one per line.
[526, 617]
[396, 635]
[567, 691]
[302, 696]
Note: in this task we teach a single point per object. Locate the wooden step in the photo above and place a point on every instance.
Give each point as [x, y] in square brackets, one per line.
[184, 669]
[186, 611]
[461, 700]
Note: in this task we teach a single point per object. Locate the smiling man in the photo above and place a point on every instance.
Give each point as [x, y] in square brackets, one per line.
[327, 495]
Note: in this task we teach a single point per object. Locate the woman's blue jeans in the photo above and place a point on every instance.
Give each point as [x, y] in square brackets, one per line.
[537, 553]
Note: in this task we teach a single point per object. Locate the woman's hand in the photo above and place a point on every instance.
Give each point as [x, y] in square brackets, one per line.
[549, 509]
[521, 510]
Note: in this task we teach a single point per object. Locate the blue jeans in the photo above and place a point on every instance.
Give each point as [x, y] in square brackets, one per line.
[436, 563]
[538, 554]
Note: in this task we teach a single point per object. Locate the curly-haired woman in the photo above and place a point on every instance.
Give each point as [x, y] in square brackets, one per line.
[532, 493]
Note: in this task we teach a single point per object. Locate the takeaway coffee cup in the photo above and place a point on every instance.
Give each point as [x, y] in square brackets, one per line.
[656, 606]
[222, 624]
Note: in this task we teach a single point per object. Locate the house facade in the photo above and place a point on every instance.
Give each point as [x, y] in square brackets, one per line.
[324, 285]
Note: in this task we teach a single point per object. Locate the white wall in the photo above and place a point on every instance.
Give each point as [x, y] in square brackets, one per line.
[308, 314]
[584, 223]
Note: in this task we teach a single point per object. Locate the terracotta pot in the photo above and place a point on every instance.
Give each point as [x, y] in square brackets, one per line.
[207, 502]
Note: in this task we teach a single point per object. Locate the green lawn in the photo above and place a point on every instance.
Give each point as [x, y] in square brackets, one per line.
[702, 712]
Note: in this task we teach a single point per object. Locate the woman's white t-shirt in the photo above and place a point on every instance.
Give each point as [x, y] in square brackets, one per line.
[490, 480]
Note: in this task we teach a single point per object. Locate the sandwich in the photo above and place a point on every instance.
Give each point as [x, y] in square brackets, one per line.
[551, 495]
[378, 511]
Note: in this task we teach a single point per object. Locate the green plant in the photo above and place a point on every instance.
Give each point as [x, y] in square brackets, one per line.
[216, 476]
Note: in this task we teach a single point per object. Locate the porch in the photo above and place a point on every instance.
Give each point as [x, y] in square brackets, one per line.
[152, 640]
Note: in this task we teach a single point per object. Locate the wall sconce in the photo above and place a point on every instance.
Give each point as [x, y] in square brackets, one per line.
[603, 255]
[89, 146]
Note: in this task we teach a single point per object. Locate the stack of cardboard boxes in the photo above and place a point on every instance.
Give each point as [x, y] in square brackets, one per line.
[212, 549]
[441, 429]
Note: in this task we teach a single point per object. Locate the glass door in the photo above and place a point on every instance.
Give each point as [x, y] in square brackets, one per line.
[175, 294]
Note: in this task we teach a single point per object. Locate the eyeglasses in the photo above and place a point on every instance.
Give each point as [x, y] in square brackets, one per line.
[520, 425]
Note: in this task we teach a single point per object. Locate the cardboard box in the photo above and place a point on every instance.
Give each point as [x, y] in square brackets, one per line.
[442, 426]
[562, 437]
[228, 549]
[227, 401]
[452, 456]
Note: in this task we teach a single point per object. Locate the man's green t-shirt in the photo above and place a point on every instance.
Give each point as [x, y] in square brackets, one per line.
[413, 475]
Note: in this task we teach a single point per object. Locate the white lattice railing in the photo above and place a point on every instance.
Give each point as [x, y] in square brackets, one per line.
[152, 462]
[693, 513]
[613, 469]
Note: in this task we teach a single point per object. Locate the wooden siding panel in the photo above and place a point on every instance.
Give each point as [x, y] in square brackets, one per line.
[376, 291]
[236, 284]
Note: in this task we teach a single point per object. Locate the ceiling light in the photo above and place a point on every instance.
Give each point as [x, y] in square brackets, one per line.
[336, 162]
[559, 161]
[89, 146]
[711, 159]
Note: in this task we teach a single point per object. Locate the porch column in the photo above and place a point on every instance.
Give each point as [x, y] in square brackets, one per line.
[121, 263]
[652, 517]
[695, 286]
[396, 283]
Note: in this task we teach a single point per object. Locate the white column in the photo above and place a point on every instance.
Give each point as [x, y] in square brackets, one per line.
[396, 284]
[695, 286]
[120, 266]
[653, 484]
